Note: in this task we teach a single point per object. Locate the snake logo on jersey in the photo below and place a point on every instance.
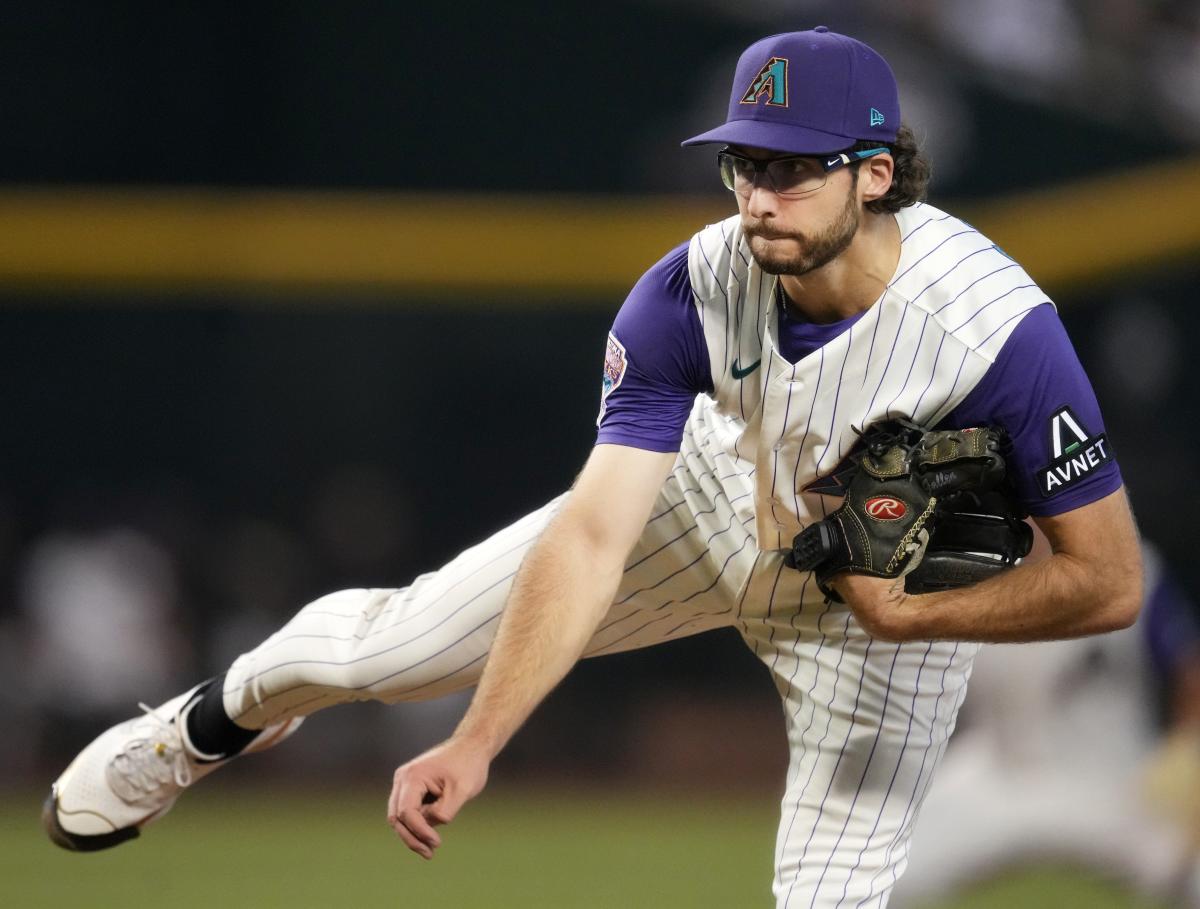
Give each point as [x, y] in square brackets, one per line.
[770, 81]
[1074, 453]
[836, 482]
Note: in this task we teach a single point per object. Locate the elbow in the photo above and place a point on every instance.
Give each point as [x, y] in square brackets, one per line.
[588, 540]
[1120, 597]
[1120, 613]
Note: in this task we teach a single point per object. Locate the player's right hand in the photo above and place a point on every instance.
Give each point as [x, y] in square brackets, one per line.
[430, 789]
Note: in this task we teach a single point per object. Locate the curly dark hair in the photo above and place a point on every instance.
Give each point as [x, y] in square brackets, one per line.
[910, 176]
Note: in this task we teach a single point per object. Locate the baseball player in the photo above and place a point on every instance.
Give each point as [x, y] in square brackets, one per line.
[736, 379]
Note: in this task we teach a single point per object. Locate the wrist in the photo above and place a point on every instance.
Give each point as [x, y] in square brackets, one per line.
[477, 738]
[916, 615]
[903, 621]
[879, 604]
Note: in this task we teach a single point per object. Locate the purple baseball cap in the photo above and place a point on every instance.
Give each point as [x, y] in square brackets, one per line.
[812, 92]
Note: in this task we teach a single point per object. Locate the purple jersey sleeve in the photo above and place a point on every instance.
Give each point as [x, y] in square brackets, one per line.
[656, 360]
[1037, 391]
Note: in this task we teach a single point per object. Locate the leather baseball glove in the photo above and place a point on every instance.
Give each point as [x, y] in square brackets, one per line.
[929, 505]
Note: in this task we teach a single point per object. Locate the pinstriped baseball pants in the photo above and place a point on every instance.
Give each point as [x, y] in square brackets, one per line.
[867, 721]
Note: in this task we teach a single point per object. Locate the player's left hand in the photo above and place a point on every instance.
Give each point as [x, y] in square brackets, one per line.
[877, 603]
[430, 789]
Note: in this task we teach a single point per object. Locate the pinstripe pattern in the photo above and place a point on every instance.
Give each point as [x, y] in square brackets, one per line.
[933, 333]
[866, 721]
[431, 638]
[893, 864]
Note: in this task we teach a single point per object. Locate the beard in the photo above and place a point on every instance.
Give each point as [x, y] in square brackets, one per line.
[814, 250]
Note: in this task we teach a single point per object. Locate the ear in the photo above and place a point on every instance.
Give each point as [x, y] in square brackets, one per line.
[875, 177]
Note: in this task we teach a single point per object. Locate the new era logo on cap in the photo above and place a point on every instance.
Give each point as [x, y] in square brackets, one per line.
[876, 118]
[770, 82]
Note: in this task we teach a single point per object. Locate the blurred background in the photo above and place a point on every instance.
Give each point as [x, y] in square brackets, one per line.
[296, 297]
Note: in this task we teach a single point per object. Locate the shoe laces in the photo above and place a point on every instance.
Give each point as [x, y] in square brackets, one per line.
[152, 765]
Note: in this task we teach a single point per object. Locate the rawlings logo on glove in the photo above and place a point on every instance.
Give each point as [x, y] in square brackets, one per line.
[929, 506]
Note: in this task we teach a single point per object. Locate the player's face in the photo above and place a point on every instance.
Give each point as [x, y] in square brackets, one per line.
[793, 236]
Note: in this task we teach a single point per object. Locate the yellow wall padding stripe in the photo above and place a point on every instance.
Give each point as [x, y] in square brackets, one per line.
[325, 240]
[1099, 228]
[521, 246]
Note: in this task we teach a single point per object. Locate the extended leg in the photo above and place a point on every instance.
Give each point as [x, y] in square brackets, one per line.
[395, 645]
[419, 641]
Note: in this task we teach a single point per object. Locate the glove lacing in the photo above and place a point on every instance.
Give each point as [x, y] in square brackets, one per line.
[913, 542]
[879, 440]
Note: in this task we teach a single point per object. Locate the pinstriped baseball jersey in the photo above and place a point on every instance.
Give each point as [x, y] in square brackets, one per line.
[759, 421]
[950, 306]
[703, 362]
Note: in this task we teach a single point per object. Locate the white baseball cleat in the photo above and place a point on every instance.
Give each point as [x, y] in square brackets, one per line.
[131, 775]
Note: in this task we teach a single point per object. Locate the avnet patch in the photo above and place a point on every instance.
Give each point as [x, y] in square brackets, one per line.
[1075, 454]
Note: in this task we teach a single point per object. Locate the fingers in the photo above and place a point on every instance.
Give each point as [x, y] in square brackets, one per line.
[406, 813]
[430, 790]
[416, 832]
[445, 808]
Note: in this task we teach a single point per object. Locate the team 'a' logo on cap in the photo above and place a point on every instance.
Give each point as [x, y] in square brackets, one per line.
[770, 81]
[1074, 453]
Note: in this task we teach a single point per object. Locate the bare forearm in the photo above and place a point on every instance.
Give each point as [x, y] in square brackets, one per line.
[1057, 598]
[562, 590]
[557, 600]
[1091, 583]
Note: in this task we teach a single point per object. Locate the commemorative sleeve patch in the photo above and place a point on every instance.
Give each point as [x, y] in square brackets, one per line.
[615, 363]
[1075, 454]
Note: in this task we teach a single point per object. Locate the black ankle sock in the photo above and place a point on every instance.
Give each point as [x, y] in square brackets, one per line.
[209, 727]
